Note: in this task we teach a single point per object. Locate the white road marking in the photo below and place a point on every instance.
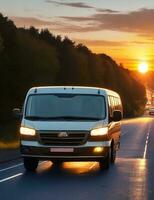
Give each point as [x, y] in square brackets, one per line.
[16, 175]
[146, 143]
[14, 166]
[10, 177]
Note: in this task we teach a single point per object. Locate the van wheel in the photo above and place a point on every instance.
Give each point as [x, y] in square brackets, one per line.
[105, 163]
[113, 154]
[30, 164]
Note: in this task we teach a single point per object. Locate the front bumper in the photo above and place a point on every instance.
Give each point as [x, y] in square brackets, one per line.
[82, 152]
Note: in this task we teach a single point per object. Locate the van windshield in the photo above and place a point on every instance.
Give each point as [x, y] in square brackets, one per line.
[65, 107]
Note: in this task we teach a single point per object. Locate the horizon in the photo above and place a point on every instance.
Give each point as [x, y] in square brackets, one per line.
[123, 31]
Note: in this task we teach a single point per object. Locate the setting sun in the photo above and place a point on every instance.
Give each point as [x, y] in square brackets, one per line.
[143, 67]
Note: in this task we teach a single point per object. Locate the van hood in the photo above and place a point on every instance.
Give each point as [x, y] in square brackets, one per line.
[63, 125]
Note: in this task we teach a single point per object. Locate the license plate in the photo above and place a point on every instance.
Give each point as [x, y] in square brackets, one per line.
[61, 150]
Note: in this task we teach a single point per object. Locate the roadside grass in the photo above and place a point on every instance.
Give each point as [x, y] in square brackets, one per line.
[9, 145]
[9, 136]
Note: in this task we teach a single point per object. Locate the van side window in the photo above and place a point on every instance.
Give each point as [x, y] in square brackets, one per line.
[113, 104]
[111, 107]
[116, 103]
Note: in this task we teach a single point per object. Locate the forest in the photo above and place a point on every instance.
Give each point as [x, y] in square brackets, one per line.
[31, 57]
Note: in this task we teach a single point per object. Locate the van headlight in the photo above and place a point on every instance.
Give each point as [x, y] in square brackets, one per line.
[99, 131]
[27, 131]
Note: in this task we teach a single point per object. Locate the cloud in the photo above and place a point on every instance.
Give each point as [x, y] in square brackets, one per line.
[70, 28]
[106, 10]
[81, 5]
[89, 42]
[109, 43]
[140, 22]
[76, 4]
[141, 42]
[38, 23]
[76, 19]
[29, 21]
[59, 26]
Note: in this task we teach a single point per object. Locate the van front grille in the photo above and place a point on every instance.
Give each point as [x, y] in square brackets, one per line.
[63, 138]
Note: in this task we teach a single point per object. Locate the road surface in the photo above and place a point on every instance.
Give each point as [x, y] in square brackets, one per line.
[132, 177]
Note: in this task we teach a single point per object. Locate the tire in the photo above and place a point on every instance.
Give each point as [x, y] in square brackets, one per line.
[113, 154]
[105, 163]
[30, 164]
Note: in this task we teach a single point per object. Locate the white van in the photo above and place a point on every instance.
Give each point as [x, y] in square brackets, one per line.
[70, 123]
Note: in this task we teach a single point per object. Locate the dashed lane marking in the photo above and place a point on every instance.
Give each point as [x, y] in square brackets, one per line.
[10, 177]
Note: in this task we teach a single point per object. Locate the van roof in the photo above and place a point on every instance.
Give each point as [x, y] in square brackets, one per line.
[71, 89]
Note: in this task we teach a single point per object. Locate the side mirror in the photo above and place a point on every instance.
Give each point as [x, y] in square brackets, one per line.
[117, 115]
[17, 113]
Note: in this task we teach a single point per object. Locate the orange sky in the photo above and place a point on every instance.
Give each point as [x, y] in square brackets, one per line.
[123, 30]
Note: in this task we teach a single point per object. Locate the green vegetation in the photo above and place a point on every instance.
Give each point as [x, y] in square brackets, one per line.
[1, 44]
[31, 58]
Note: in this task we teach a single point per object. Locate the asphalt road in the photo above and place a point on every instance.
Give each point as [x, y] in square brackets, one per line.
[132, 176]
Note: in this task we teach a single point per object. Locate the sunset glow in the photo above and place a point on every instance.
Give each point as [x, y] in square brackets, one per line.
[121, 30]
[143, 67]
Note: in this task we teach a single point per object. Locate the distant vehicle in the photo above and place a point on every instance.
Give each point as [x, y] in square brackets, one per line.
[151, 111]
[70, 123]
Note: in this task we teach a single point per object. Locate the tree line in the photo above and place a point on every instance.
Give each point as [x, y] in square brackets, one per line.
[31, 57]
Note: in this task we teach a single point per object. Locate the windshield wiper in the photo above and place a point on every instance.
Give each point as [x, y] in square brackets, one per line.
[62, 118]
[78, 117]
[34, 117]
